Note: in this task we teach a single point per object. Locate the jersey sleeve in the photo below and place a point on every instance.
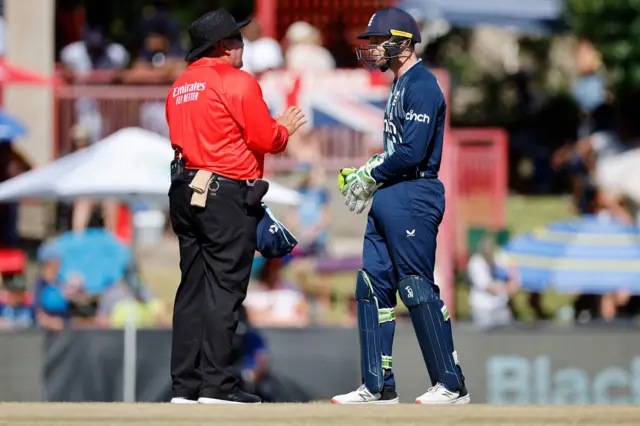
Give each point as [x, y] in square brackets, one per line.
[262, 133]
[423, 106]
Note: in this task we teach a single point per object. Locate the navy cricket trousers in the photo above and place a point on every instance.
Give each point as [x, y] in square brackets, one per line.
[400, 241]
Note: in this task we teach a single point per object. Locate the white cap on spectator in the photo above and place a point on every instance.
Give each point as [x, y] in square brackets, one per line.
[303, 32]
[266, 54]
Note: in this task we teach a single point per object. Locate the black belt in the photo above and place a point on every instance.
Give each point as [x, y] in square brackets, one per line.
[190, 174]
[419, 174]
[426, 174]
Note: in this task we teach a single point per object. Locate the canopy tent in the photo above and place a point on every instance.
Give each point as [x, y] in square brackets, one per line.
[527, 16]
[131, 165]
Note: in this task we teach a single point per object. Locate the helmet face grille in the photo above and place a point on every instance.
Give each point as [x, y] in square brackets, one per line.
[375, 55]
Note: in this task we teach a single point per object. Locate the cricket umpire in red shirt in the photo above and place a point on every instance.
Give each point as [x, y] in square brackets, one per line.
[220, 130]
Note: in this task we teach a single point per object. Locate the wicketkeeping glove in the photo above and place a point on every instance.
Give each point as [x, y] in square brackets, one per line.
[345, 178]
[360, 191]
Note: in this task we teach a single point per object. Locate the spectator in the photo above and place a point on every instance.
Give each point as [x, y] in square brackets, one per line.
[310, 223]
[16, 303]
[271, 302]
[159, 61]
[342, 42]
[589, 90]
[628, 306]
[304, 51]
[85, 213]
[51, 306]
[83, 307]
[94, 52]
[8, 211]
[261, 54]
[581, 158]
[160, 58]
[253, 358]
[117, 300]
[526, 141]
[160, 55]
[96, 59]
[155, 20]
[491, 287]
[614, 306]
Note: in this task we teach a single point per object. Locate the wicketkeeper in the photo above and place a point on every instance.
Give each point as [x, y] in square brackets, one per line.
[407, 206]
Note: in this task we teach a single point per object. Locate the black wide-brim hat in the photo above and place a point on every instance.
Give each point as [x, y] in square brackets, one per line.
[209, 29]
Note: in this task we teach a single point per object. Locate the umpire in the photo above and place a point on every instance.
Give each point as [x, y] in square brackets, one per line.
[220, 130]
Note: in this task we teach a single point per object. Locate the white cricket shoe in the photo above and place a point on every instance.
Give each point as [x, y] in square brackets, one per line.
[181, 400]
[363, 396]
[438, 395]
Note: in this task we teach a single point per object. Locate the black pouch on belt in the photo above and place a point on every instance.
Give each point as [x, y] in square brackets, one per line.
[177, 168]
[256, 193]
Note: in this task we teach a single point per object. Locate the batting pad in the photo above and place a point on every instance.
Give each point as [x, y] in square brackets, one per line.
[431, 323]
[369, 331]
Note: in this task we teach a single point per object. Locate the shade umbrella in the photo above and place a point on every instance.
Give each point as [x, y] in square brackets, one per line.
[591, 254]
[10, 127]
[96, 254]
[534, 17]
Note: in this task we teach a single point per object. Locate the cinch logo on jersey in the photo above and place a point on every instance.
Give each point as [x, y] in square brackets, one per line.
[421, 118]
[188, 88]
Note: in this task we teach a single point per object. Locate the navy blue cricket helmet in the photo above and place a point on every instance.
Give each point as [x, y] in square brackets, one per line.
[400, 30]
[274, 240]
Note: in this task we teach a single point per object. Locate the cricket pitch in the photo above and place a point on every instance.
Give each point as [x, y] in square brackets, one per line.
[98, 414]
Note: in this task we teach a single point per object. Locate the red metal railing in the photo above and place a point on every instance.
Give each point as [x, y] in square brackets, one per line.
[107, 108]
[479, 184]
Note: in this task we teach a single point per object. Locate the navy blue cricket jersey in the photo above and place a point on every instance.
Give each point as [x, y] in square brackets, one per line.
[414, 121]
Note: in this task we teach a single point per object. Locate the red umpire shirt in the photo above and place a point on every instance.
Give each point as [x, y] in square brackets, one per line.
[218, 118]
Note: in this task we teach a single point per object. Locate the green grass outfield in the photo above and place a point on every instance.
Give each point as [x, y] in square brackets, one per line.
[315, 414]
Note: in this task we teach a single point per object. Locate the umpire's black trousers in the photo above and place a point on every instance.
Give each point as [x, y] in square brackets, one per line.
[217, 245]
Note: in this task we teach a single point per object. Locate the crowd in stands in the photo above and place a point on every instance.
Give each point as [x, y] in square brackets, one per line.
[56, 300]
[606, 127]
[289, 292]
[80, 282]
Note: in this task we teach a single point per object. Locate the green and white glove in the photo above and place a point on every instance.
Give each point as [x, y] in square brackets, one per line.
[361, 189]
[345, 178]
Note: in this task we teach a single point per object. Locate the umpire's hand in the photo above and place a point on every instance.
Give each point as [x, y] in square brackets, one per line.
[293, 118]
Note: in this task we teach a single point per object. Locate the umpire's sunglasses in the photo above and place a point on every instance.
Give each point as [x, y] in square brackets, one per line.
[237, 36]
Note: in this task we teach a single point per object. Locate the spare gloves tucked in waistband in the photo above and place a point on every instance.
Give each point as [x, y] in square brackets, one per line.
[274, 239]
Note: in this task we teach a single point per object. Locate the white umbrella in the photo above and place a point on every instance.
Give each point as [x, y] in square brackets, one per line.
[130, 165]
[620, 174]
